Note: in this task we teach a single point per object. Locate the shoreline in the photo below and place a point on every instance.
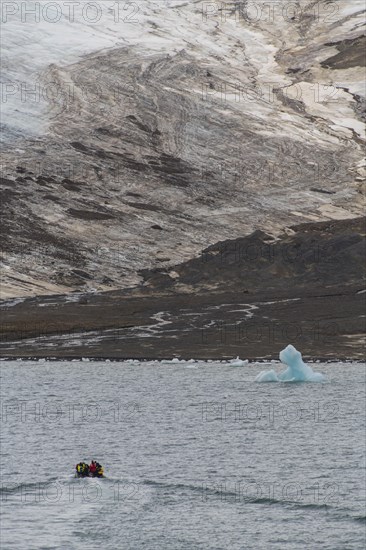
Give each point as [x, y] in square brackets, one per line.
[171, 361]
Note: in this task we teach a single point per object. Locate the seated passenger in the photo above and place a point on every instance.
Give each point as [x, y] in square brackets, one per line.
[82, 469]
[93, 468]
[99, 470]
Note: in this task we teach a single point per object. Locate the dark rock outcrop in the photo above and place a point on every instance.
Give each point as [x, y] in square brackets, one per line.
[248, 297]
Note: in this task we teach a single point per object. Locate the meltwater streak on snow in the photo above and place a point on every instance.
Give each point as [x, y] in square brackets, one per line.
[297, 370]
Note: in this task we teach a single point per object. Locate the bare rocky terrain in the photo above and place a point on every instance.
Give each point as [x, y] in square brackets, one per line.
[204, 125]
[244, 296]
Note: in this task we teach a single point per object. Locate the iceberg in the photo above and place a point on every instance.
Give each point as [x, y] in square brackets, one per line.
[297, 370]
[172, 361]
[238, 362]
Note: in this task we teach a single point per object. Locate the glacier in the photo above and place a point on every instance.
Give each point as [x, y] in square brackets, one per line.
[152, 130]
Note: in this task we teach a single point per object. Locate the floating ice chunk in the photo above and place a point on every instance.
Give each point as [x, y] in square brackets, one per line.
[267, 376]
[238, 362]
[297, 370]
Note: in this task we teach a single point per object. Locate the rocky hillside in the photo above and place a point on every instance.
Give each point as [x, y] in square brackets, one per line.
[247, 297]
[204, 123]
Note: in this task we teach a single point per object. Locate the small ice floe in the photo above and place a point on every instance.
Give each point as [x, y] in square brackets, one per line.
[297, 370]
[238, 362]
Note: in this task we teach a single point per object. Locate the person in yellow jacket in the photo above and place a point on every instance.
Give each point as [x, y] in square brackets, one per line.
[82, 469]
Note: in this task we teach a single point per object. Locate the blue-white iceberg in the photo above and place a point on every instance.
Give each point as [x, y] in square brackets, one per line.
[297, 370]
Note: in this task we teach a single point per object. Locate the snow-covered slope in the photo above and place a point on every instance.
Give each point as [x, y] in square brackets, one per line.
[157, 128]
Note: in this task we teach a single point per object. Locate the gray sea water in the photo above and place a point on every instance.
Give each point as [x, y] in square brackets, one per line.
[197, 456]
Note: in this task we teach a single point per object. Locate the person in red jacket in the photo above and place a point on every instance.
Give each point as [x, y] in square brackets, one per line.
[93, 468]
